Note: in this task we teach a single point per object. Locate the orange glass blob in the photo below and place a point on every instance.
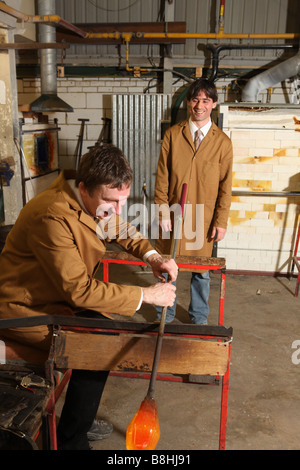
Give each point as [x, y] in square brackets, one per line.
[143, 432]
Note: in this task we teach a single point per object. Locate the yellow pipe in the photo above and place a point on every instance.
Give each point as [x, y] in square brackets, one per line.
[221, 17]
[55, 19]
[125, 36]
[132, 69]
[15, 13]
[114, 35]
[218, 36]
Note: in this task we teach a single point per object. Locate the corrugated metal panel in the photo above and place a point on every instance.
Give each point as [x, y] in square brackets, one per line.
[201, 16]
[258, 17]
[108, 11]
[136, 129]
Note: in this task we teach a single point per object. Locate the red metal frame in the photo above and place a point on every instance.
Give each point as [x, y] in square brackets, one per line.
[224, 404]
[166, 377]
[51, 419]
[50, 409]
[51, 416]
[225, 378]
[192, 267]
[296, 261]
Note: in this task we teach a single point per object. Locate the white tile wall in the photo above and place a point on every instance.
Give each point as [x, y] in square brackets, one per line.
[266, 159]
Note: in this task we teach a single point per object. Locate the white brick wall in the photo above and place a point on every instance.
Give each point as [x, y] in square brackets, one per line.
[90, 99]
[266, 159]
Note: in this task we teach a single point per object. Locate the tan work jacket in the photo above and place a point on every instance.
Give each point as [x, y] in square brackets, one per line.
[208, 175]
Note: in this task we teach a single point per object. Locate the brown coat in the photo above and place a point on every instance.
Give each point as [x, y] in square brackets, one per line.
[208, 174]
[51, 256]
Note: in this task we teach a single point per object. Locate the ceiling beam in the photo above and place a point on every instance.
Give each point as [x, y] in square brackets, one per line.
[134, 28]
[34, 45]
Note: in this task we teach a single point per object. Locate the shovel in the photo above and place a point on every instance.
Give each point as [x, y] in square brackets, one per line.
[143, 431]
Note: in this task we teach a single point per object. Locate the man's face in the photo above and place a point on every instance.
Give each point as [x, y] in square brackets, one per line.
[105, 200]
[200, 108]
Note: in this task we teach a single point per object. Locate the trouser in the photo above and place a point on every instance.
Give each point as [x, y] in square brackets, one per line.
[80, 408]
[81, 404]
[198, 308]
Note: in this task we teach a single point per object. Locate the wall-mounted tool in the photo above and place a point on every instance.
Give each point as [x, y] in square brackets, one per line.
[105, 134]
[78, 150]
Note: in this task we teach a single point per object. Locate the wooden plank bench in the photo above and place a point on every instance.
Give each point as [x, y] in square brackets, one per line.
[119, 347]
[127, 349]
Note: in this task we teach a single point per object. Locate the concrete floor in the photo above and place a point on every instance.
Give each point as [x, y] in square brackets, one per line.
[264, 392]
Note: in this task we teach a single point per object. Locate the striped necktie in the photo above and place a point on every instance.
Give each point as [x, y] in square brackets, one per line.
[198, 136]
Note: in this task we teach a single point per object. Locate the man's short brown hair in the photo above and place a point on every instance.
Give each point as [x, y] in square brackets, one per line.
[205, 85]
[104, 164]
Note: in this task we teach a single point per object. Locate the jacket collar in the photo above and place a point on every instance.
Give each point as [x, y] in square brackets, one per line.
[186, 132]
[61, 184]
[188, 136]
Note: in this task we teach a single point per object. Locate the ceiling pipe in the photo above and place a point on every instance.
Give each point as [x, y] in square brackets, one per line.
[49, 18]
[215, 50]
[219, 35]
[58, 21]
[48, 101]
[287, 69]
[221, 16]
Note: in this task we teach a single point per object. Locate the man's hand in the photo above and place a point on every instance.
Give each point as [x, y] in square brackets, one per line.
[166, 225]
[161, 265]
[218, 233]
[161, 295]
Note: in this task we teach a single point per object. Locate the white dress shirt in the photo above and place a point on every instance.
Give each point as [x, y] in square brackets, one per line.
[194, 128]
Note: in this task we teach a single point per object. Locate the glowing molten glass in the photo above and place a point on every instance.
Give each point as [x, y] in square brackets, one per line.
[143, 432]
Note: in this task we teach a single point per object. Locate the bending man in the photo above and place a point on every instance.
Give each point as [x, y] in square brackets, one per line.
[49, 261]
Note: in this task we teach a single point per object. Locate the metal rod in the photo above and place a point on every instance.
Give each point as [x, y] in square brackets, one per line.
[267, 193]
[164, 311]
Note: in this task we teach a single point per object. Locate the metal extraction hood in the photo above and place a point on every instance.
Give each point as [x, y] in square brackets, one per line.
[48, 101]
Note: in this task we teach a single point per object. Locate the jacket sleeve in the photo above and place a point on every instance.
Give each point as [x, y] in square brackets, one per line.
[127, 236]
[161, 194]
[52, 243]
[225, 186]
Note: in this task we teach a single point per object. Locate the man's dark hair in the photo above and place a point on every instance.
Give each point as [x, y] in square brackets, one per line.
[104, 164]
[205, 85]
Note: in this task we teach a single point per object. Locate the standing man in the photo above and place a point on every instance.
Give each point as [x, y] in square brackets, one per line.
[198, 153]
[48, 265]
